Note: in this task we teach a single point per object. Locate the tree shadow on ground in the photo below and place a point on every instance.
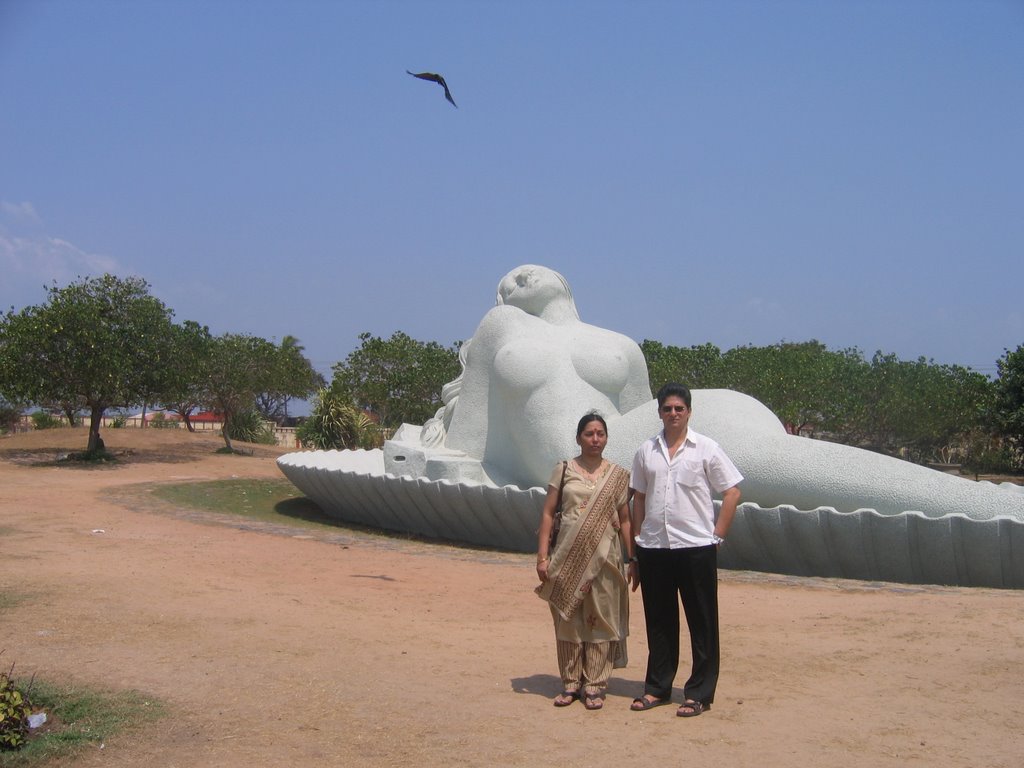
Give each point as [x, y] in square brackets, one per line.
[61, 453]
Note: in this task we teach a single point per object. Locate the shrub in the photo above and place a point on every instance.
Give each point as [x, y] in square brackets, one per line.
[44, 420]
[987, 455]
[336, 423]
[14, 711]
[249, 427]
[160, 421]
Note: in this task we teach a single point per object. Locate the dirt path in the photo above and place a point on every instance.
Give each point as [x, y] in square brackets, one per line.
[286, 650]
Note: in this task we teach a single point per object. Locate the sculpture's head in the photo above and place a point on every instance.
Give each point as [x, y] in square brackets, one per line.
[533, 289]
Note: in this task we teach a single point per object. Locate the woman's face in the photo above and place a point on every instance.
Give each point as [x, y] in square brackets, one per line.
[530, 288]
[592, 439]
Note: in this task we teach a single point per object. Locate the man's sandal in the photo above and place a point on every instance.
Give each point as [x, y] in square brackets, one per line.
[692, 708]
[593, 701]
[565, 698]
[642, 703]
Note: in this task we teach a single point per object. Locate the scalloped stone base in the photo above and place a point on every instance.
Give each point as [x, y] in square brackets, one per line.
[908, 547]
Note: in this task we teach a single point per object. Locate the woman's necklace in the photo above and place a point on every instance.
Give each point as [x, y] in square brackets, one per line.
[589, 474]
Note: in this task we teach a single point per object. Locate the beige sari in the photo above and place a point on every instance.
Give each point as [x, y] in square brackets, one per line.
[586, 587]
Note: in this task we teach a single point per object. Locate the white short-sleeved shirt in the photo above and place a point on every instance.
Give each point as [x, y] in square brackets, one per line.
[679, 510]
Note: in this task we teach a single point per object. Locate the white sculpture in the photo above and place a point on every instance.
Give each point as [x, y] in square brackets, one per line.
[533, 367]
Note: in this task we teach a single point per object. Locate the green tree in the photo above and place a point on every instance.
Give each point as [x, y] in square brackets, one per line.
[70, 410]
[186, 386]
[915, 408]
[237, 372]
[102, 342]
[292, 376]
[806, 385]
[696, 367]
[1008, 405]
[399, 379]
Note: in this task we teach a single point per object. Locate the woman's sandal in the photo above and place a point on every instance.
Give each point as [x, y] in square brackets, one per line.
[692, 708]
[642, 703]
[565, 698]
[593, 701]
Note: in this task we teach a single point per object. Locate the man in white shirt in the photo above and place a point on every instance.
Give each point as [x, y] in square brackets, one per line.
[673, 478]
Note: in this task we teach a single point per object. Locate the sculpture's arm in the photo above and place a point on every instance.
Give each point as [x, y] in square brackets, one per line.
[466, 423]
[638, 386]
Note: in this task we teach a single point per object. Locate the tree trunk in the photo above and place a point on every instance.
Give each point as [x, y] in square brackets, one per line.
[224, 431]
[95, 419]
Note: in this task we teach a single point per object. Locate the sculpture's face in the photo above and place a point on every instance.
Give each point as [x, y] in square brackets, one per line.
[530, 288]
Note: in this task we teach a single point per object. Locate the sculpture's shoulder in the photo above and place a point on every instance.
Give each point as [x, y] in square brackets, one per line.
[607, 336]
[499, 321]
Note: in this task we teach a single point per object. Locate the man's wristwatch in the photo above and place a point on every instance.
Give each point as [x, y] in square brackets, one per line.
[717, 539]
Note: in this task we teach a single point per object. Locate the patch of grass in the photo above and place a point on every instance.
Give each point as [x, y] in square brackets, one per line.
[269, 501]
[77, 718]
[279, 503]
[10, 599]
[280, 506]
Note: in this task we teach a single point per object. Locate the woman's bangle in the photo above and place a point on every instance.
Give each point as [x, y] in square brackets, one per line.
[633, 559]
[543, 560]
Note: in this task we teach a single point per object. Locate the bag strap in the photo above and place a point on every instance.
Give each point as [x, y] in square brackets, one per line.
[561, 485]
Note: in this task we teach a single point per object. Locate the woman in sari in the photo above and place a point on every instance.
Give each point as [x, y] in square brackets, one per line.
[582, 577]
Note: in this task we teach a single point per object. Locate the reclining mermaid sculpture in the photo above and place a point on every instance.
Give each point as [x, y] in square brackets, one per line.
[476, 471]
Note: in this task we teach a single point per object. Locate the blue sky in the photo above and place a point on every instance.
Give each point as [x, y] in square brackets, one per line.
[725, 172]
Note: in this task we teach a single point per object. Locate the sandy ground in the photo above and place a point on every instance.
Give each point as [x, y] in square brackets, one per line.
[277, 648]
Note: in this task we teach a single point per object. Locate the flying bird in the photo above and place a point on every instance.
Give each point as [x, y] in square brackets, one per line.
[436, 79]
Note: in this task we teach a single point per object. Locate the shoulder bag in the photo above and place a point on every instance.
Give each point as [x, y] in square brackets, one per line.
[556, 523]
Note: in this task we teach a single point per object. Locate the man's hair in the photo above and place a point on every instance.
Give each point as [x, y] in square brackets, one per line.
[674, 389]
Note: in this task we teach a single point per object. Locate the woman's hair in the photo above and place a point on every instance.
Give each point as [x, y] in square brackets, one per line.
[674, 389]
[589, 417]
[434, 430]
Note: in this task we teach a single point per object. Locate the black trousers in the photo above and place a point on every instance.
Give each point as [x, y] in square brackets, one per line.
[692, 574]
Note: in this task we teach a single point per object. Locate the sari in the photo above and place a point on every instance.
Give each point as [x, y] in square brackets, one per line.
[586, 586]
